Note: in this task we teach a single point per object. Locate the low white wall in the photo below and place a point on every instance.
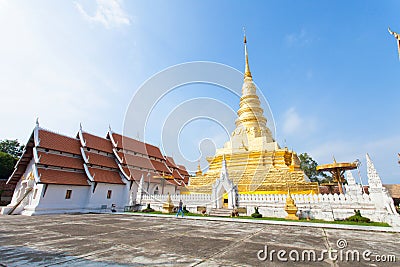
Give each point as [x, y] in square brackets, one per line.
[191, 201]
[322, 206]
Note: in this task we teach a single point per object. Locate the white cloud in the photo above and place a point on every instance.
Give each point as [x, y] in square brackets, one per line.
[295, 125]
[301, 38]
[3, 3]
[108, 12]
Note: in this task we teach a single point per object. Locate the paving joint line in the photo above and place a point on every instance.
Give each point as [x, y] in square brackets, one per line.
[231, 246]
[328, 247]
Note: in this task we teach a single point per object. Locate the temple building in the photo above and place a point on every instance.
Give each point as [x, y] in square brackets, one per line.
[256, 163]
[86, 173]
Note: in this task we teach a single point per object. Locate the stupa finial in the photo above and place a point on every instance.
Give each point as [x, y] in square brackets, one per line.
[199, 171]
[247, 72]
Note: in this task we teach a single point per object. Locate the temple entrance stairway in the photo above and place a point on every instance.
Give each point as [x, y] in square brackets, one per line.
[220, 212]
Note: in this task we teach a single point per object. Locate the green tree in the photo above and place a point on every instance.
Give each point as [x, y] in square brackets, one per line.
[7, 163]
[10, 152]
[309, 166]
[12, 147]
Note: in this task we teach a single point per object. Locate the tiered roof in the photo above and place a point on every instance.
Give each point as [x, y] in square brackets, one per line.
[57, 176]
[97, 143]
[105, 176]
[58, 142]
[100, 164]
[59, 159]
[101, 160]
[139, 158]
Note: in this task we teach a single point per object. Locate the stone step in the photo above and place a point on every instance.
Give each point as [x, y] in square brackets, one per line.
[221, 212]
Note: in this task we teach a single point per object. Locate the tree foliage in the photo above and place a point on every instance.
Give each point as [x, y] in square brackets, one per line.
[309, 166]
[10, 152]
[12, 147]
[7, 163]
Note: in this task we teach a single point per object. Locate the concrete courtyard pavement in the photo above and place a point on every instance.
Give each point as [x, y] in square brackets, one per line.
[124, 240]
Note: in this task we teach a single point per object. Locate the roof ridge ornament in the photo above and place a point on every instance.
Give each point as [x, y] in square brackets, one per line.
[37, 122]
[397, 37]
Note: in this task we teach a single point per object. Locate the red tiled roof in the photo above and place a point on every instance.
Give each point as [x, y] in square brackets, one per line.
[142, 162]
[136, 161]
[137, 174]
[100, 160]
[60, 161]
[48, 176]
[129, 144]
[366, 189]
[176, 175]
[59, 142]
[128, 173]
[183, 171]
[136, 146]
[394, 190]
[170, 162]
[160, 166]
[175, 182]
[323, 189]
[186, 179]
[154, 151]
[105, 176]
[96, 142]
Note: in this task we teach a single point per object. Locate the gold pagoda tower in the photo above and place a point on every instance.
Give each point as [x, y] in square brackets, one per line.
[255, 162]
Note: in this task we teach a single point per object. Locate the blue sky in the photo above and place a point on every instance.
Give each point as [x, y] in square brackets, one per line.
[329, 69]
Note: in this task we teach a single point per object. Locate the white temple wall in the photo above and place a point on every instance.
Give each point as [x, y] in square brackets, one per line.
[171, 189]
[159, 189]
[98, 199]
[133, 193]
[21, 191]
[33, 199]
[20, 187]
[55, 201]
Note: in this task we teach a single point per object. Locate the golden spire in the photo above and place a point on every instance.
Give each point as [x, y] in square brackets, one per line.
[199, 172]
[247, 72]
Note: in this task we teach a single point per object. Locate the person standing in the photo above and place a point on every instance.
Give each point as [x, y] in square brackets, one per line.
[180, 209]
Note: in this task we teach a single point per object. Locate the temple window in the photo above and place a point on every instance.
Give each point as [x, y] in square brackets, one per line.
[109, 192]
[68, 194]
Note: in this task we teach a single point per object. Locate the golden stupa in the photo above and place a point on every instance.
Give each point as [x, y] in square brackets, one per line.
[255, 162]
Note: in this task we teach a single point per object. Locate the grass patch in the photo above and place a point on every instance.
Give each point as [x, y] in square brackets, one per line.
[275, 219]
[173, 213]
[318, 221]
